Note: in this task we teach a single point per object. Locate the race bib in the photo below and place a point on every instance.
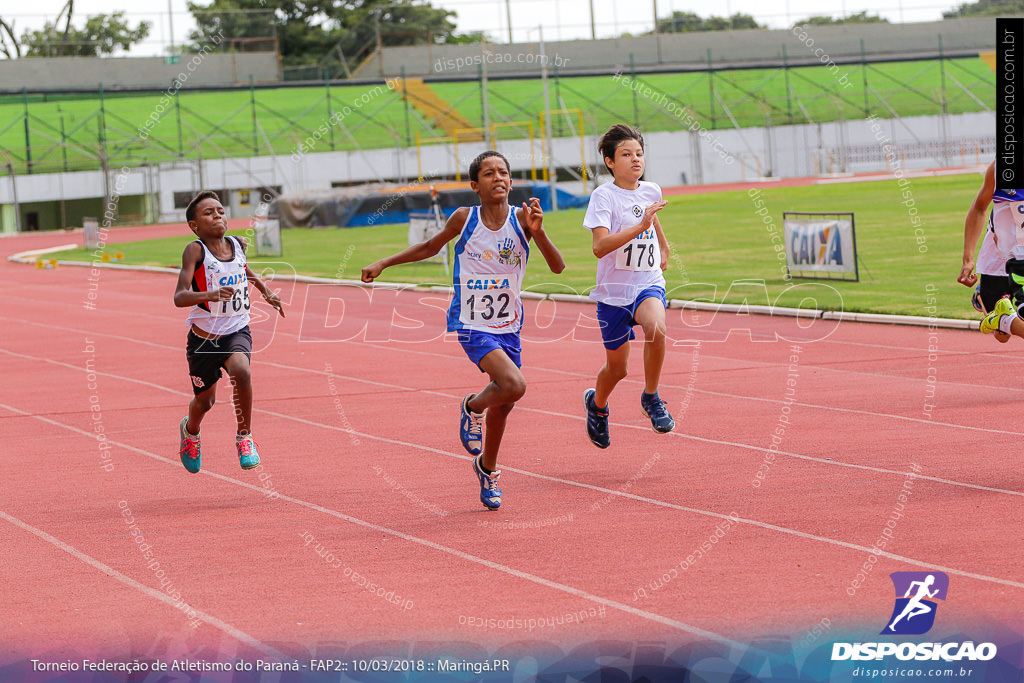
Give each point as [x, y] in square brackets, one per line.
[639, 254]
[239, 303]
[486, 301]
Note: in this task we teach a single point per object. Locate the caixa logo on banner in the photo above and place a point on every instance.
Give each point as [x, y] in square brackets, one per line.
[914, 612]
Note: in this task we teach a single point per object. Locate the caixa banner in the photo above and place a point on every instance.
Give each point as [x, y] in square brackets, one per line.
[821, 245]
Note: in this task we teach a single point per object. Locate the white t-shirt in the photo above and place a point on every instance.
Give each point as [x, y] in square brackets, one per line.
[624, 273]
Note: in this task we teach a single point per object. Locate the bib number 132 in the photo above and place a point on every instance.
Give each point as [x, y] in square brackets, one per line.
[637, 255]
[487, 308]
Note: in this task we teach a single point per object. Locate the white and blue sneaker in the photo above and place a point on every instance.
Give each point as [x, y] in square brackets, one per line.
[490, 494]
[471, 428]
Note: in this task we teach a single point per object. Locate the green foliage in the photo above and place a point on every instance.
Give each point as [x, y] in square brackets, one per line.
[102, 34]
[986, 8]
[323, 34]
[856, 18]
[688, 22]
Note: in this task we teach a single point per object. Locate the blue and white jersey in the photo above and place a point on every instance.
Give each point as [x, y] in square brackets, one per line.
[1006, 223]
[212, 273]
[488, 276]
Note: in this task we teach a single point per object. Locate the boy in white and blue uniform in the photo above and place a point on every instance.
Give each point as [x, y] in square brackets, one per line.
[988, 275]
[632, 252]
[487, 308]
[1006, 226]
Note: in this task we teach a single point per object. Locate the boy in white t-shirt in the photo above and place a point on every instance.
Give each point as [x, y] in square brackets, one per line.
[632, 252]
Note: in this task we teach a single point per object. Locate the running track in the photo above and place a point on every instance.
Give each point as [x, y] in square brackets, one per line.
[360, 445]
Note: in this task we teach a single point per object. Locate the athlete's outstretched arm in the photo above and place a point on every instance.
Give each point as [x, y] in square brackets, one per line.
[975, 226]
[420, 251]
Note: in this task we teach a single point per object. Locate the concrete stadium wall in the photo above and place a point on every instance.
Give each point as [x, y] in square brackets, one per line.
[689, 50]
[63, 73]
[674, 158]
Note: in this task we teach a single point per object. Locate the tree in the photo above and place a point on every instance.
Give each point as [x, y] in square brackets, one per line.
[857, 18]
[687, 22]
[319, 32]
[102, 34]
[986, 8]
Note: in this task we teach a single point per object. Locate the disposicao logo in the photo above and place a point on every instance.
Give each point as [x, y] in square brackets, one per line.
[917, 594]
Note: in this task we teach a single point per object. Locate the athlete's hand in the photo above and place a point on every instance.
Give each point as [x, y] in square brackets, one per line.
[651, 210]
[372, 272]
[968, 278]
[664, 259]
[533, 216]
[221, 294]
[274, 300]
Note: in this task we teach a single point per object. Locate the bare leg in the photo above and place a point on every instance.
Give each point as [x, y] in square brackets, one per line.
[237, 367]
[615, 369]
[650, 314]
[198, 407]
[507, 386]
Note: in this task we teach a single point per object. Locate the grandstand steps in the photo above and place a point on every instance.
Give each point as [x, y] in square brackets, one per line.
[434, 109]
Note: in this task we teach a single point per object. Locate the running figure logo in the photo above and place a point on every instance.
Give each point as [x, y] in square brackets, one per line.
[914, 612]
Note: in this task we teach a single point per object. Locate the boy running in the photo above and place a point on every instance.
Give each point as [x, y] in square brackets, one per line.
[632, 252]
[214, 280]
[991, 282]
[487, 310]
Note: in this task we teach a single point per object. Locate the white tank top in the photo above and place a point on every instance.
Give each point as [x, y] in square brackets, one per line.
[1006, 223]
[221, 317]
[488, 276]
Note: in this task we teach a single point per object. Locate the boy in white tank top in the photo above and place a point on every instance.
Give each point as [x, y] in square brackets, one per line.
[214, 280]
[487, 309]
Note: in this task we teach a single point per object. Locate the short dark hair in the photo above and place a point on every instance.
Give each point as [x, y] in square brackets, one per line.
[617, 134]
[474, 168]
[190, 210]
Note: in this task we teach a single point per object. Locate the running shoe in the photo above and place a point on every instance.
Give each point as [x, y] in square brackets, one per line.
[190, 451]
[654, 408]
[471, 428]
[490, 494]
[597, 421]
[990, 323]
[248, 456]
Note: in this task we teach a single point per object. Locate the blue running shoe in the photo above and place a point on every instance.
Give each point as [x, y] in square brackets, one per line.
[490, 494]
[597, 421]
[190, 452]
[654, 408]
[471, 428]
[248, 456]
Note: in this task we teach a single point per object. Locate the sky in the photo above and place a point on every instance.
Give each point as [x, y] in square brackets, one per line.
[562, 19]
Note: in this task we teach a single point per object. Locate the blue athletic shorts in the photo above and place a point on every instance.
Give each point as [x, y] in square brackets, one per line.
[478, 344]
[617, 321]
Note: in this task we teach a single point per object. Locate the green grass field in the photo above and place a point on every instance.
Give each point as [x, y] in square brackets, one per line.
[716, 239]
[70, 132]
